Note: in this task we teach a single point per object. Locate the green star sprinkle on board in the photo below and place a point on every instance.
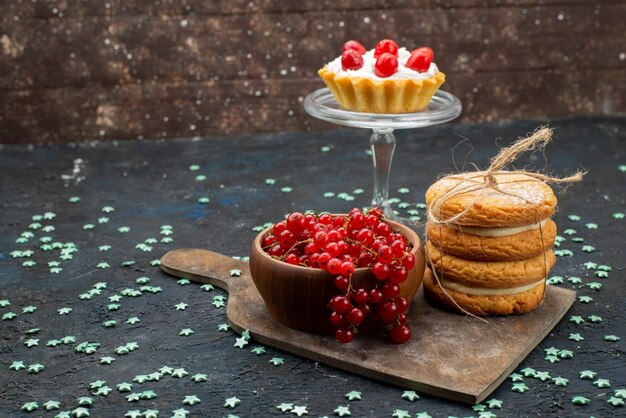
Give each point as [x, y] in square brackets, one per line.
[574, 218]
[191, 400]
[4, 303]
[566, 354]
[69, 339]
[181, 306]
[590, 265]
[552, 359]
[148, 394]
[575, 280]
[620, 393]
[353, 395]
[552, 351]
[478, 407]
[576, 337]
[51, 405]
[611, 338]
[400, 413]
[88, 226]
[103, 265]
[587, 374]
[185, 332]
[155, 377]
[342, 411]
[179, 373]
[285, 407]
[32, 331]
[183, 282]
[516, 377]
[576, 319]
[30, 406]
[231, 402]
[103, 391]
[591, 225]
[207, 287]
[613, 401]
[123, 229]
[258, 350]
[150, 413]
[104, 248]
[494, 403]
[223, 327]
[155, 263]
[560, 381]
[80, 412]
[423, 414]
[618, 215]
[594, 285]
[594, 318]
[580, 400]
[8, 316]
[199, 377]
[563, 253]
[529, 372]
[132, 320]
[140, 378]
[204, 200]
[555, 280]
[602, 383]
[31, 342]
[97, 384]
[602, 274]
[166, 370]
[277, 361]
[103, 220]
[133, 397]
[31, 263]
[85, 401]
[113, 306]
[106, 360]
[124, 387]
[135, 413]
[29, 309]
[519, 387]
[588, 248]
[270, 182]
[241, 342]
[110, 323]
[286, 189]
[299, 410]
[180, 413]
[235, 273]
[17, 365]
[487, 414]
[543, 376]
[410, 395]
[585, 299]
[74, 199]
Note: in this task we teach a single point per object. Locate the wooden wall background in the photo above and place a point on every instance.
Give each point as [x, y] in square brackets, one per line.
[74, 70]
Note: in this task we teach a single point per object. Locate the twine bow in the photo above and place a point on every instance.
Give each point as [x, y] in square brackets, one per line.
[482, 181]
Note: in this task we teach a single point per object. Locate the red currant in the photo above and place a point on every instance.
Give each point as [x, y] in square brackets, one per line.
[376, 296]
[408, 261]
[323, 260]
[361, 296]
[365, 259]
[320, 238]
[380, 270]
[344, 335]
[400, 333]
[386, 46]
[334, 266]
[388, 312]
[342, 283]
[351, 60]
[386, 65]
[402, 304]
[398, 247]
[337, 320]
[384, 254]
[279, 227]
[340, 304]
[347, 268]
[268, 240]
[354, 316]
[398, 274]
[325, 219]
[286, 239]
[390, 290]
[292, 258]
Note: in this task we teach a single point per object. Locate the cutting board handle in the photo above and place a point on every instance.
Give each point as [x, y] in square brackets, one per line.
[205, 266]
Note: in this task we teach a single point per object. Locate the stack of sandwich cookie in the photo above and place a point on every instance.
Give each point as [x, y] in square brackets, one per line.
[490, 244]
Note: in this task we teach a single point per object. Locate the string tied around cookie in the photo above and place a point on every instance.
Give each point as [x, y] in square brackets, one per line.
[485, 180]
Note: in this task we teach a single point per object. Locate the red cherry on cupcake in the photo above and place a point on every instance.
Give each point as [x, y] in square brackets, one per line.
[386, 45]
[351, 60]
[420, 59]
[355, 46]
[386, 65]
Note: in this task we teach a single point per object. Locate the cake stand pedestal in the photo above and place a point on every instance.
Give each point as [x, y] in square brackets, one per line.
[442, 108]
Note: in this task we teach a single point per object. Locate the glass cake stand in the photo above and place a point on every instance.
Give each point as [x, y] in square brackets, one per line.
[442, 108]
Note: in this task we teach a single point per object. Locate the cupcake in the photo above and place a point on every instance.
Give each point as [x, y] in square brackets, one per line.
[492, 247]
[386, 79]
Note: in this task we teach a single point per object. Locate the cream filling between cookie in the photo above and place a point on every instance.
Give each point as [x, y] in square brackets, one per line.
[503, 231]
[486, 291]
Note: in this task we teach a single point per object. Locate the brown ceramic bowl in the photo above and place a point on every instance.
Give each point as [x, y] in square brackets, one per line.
[298, 296]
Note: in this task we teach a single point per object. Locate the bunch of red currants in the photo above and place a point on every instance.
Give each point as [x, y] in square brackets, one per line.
[339, 244]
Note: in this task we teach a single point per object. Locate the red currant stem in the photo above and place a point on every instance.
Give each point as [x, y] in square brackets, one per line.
[360, 244]
[294, 246]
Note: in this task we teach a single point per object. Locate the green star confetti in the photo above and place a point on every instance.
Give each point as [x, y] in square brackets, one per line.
[17, 365]
[106, 360]
[519, 387]
[410, 395]
[277, 361]
[588, 248]
[133, 397]
[574, 218]
[51, 405]
[104, 247]
[602, 383]
[30, 406]
[286, 189]
[270, 181]
[231, 402]
[103, 265]
[529, 372]
[576, 319]
[207, 287]
[191, 400]
[258, 350]
[580, 400]
[85, 401]
[516, 377]
[185, 332]
[353, 395]
[199, 377]
[97, 384]
[611, 338]
[203, 200]
[552, 351]
[135, 413]
[342, 411]
[478, 407]
[423, 414]
[555, 280]
[181, 306]
[155, 377]
[613, 401]
[494, 403]
[31, 342]
[166, 370]
[74, 199]
[148, 394]
[585, 299]
[587, 374]
[132, 320]
[8, 316]
[70, 339]
[110, 323]
[566, 354]
[575, 280]
[285, 407]
[140, 378]
[299, 410]
[400, 413]
[552, 359]
[150, 413]
[180, 413]
[594, 285]
[543, 376]
[602, 274]
[103, 391]
[620, 393]
[179, 373]
[618, 215]
[576, 337]
[29, 309]
[235, 273]
[560, 381]
[194, 167]
[594, 318]
[124, 387]
[241, 342]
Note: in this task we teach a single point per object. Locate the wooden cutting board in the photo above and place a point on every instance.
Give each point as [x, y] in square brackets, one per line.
[449, 355]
